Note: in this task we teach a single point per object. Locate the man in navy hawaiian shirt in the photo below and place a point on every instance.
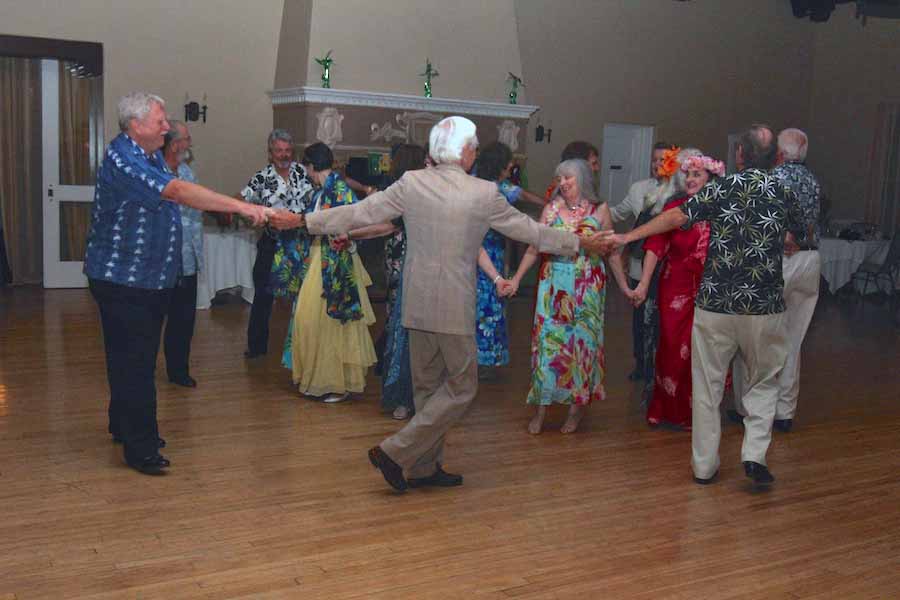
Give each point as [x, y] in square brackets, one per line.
[740, 303]
[132, 262]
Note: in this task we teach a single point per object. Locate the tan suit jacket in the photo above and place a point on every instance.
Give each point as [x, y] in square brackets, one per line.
[446, 214]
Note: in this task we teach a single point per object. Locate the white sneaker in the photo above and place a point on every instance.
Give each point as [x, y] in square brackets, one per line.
[401, 413]
[335, 398]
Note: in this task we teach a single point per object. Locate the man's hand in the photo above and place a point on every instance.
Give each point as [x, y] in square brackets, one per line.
[506, 287]
[790, 245]
[602, 242]
[254, 213]
[339, 242]
[285, 219]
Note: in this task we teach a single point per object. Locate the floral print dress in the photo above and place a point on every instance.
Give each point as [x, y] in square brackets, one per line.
[567, 353]
[491, 336]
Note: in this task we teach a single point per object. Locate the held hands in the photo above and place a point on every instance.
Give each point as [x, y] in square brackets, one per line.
[790, 245]
[256, 214]
[339, 242]
[637, 295]
[285, 219]
[602, 242]
[507, 287]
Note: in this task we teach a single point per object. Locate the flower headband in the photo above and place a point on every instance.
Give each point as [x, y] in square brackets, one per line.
[669, 164]
[695, 163]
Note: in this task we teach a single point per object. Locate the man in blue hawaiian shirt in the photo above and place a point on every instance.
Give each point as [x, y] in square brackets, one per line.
[132, 262]
[740, 303]
[183, 307]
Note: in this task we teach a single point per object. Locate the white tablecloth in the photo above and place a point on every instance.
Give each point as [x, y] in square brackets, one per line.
[841, 259]
[227, 263]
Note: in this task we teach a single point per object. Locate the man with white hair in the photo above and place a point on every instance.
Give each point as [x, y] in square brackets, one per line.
[132, 262]
[801, 266]
[446, 214]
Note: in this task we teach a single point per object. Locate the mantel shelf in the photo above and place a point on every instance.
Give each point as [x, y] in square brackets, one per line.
[316, 95]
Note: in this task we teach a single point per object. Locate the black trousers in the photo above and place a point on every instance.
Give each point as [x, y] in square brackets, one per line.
[261, 311]
[180, 327]
[132, 321]
[637, 332]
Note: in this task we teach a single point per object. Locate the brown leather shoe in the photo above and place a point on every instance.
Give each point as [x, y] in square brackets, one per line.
[392, 472]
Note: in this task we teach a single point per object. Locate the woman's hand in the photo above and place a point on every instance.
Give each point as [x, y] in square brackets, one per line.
[507, 287]
[339, 242]
[638, 295]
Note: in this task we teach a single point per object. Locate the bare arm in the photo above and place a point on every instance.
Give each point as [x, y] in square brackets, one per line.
[665, 221]
[201, 198]
[614, 259]
[650, 262]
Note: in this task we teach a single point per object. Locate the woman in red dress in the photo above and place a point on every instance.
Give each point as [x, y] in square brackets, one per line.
[683, 254]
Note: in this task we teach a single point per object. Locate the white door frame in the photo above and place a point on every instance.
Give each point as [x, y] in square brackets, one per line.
[57, 273]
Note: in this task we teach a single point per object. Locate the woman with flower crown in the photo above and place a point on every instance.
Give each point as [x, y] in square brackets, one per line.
[681, 255]
[567, 352]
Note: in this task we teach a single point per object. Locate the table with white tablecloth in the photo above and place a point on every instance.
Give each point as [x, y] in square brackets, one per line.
[228, 257]
[842, 258]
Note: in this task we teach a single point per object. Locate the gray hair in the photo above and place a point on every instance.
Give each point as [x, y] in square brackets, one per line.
[174, 133]
[449, 137]
[280, 135]
[136, 105]
[584, 178]
[671, 188]
[793, 144]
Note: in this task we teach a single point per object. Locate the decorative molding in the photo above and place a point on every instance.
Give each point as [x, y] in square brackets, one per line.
[329, 130]
[315, 95]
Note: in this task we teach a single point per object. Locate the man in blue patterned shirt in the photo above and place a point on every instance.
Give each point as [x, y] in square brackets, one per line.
[132, 262]
[740, 303]
[183, 306]
[801, 268]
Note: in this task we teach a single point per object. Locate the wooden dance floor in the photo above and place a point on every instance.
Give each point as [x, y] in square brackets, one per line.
[271, 496]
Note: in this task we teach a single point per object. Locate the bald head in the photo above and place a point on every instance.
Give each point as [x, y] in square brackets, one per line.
[793, 144]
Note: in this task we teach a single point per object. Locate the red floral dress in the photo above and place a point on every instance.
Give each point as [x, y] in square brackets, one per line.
[683, 253]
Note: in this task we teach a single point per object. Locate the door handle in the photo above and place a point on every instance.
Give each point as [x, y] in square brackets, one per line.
[50, 193]
[615, 167]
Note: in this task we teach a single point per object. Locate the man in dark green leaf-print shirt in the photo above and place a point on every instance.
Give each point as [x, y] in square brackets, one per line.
[740, 303]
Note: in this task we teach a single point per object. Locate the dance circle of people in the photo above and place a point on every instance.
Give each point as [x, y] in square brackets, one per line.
[705, 276]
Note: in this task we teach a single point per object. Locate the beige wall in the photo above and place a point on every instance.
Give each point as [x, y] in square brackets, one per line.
[855, 68]
[226, 49]
[695, 73]
[382, 46]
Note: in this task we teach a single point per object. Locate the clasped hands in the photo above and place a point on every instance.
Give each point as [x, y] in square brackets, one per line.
[603, 242]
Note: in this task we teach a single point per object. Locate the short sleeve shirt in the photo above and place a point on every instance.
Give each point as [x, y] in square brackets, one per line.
[268, 189]
[135, 234]
[748, 213]
[191, 230]
[805, 187]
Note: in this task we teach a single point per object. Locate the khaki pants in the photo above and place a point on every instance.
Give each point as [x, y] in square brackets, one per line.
[445, 380]
[716, 339]
[801, 292]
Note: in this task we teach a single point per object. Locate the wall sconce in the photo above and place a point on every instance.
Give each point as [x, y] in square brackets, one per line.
[193, 111]
[540, 134]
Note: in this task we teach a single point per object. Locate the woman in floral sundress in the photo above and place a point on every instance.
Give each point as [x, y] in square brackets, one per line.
[567, 351]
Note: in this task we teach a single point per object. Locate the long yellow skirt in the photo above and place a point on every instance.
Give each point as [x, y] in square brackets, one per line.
[329, 357]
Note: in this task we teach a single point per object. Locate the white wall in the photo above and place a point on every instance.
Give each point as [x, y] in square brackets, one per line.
[225, 49]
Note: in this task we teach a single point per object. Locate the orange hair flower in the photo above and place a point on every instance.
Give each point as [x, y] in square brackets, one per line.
[670, 163]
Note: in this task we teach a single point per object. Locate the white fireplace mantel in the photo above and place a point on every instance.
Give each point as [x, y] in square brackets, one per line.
[329, 96]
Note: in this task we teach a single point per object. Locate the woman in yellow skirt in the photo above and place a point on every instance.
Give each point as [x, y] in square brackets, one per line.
[329, 348]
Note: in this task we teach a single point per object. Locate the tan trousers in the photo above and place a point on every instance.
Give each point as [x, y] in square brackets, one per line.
[801, 293]
[445, 380]
[715, 340]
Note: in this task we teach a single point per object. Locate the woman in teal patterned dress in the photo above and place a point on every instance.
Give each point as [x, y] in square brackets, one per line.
[567, 352]
[494, 163]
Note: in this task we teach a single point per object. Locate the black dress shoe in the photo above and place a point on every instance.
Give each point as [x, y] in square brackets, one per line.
[758, 473]
[183, 381]
[708, 480]
[161, 443]
[253, 354]
[149, 465]
[392, 472]
[783, 425]
[440, 478]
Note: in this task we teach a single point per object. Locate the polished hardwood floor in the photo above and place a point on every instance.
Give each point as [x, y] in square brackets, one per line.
[270, 495]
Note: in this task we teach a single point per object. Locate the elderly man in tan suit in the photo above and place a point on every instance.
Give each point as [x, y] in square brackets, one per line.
[446, 214]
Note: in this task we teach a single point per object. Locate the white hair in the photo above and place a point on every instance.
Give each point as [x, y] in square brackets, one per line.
[136, 105]
[793, 144]
[448, 138]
